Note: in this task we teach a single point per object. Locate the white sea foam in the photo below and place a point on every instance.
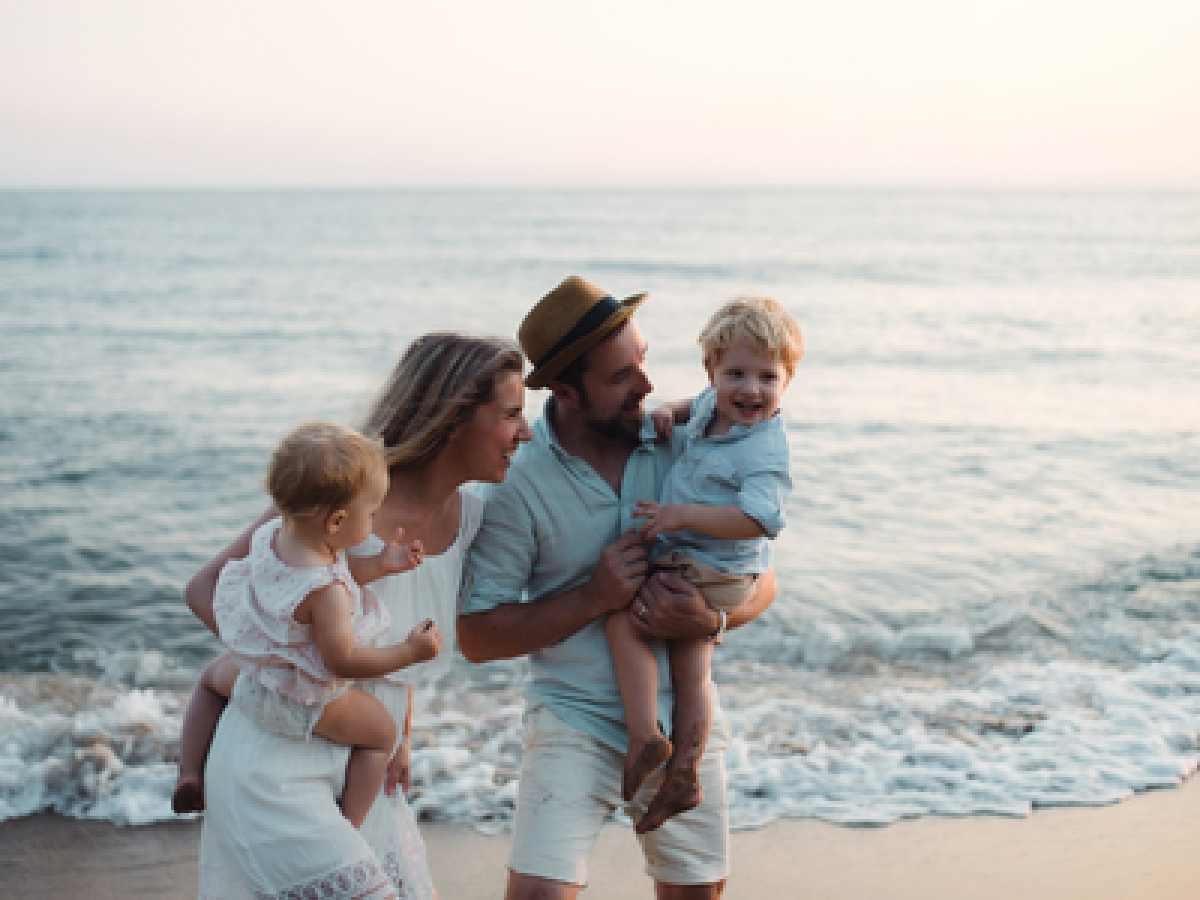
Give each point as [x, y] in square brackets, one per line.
[859, 725]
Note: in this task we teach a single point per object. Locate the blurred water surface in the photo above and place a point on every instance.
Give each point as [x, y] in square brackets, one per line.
[990, 579]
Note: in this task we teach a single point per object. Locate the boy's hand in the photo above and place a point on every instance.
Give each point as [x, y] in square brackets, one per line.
[664, 422]
[659, 518]
[425, 641]
[396, 557]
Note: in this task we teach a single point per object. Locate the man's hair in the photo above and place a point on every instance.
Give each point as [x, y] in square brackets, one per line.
[572, 374]
[320, 467]
[758, 322]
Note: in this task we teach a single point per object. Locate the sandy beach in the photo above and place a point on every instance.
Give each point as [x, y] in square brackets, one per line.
[1144, 847]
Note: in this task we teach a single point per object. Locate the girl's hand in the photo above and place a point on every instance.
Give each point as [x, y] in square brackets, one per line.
[396, 557]
[659, 518]
[664, 422]
[425, 640]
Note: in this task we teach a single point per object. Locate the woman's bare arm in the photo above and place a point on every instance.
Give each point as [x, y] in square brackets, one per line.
[199, 591]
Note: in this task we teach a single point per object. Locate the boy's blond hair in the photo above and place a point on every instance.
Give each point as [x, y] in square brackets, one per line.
[320, 467]
[759, 322]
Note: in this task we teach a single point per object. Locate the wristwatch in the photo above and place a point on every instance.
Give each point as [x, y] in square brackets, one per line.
[719, 635]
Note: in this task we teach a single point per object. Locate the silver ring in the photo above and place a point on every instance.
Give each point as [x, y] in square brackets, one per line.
[645, 609]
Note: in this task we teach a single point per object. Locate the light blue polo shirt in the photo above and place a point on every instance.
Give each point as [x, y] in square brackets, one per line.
[748, 467]
[542, 534]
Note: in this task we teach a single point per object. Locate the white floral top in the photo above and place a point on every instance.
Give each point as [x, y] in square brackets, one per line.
[255, 603]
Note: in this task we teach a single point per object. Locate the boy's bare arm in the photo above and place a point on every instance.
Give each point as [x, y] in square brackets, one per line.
[726, 522]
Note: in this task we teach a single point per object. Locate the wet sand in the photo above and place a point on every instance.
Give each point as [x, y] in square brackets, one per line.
[1144, 847]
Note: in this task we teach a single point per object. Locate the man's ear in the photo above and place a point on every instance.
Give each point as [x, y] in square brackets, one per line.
[564, 394]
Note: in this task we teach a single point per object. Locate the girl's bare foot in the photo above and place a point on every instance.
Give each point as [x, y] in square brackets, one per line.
[189, 795]
[653, 754]
[679, 792]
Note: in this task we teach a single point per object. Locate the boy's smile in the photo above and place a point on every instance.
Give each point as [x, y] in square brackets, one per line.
[749, 386]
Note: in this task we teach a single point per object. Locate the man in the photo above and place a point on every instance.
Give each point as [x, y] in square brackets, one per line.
[557, 551]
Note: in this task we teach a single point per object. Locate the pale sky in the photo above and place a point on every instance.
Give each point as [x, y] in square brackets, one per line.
[1004, 93]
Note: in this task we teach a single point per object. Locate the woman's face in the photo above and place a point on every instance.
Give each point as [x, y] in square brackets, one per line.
[488, 440]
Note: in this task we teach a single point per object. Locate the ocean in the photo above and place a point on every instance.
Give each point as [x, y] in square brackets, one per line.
[990, 577]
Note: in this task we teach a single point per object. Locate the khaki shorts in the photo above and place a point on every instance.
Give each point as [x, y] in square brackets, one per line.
[719, 589]
[571, 782]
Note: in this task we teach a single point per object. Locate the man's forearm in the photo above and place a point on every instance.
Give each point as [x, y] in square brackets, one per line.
[516, 629]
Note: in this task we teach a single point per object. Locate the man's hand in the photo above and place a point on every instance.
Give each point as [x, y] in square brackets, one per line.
[671, 607]
[620, 570]
[399, 770]
[396, 557]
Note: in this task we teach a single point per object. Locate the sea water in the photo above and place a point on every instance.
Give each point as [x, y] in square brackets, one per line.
[990, 577]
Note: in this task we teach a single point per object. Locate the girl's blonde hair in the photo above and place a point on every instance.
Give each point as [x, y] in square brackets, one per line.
[759, 322]
[436, 386]
[321, 467]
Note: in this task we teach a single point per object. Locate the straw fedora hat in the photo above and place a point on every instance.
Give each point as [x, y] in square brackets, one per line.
[566, 323]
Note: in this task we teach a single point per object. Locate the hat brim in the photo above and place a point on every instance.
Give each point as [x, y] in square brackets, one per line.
[551, 368]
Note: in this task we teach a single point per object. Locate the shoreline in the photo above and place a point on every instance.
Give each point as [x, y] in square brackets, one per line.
[1143, 846]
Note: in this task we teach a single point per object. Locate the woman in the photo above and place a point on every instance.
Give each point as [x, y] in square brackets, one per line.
[450, 413]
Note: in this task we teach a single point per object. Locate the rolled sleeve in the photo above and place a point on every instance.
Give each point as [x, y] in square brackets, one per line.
[763, 497]
[502, 555]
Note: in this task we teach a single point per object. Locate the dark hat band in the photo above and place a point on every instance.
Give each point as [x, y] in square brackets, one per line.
[591, 320]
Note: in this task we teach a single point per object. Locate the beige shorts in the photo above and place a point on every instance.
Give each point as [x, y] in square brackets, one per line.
[571, 782]
[719, 589]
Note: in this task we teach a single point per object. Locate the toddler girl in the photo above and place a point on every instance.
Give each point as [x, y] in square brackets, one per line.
[299, 625]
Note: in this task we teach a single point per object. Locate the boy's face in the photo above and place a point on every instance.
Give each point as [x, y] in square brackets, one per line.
[749, 386]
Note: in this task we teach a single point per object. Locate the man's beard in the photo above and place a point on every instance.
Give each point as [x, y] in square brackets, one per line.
[613, 427]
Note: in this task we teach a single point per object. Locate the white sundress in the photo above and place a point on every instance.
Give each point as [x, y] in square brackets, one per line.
[273, 829]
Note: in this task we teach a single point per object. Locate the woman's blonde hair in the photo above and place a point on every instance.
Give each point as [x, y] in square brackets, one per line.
[436, 386]
[759, 322]
[320, 467]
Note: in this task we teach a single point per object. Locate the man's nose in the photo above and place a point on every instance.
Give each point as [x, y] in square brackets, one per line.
[647, 386]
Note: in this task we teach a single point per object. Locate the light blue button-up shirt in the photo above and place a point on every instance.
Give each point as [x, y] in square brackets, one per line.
[748, 467]
[542, 534]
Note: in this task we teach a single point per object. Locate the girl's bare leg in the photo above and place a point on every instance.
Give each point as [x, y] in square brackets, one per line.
[199, 725]
[680, 790]
[358, 720]
[637, 676]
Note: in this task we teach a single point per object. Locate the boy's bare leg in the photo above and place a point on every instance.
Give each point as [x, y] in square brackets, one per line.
[637, 676]
[199, 725]
[358, 720]
[680, 789]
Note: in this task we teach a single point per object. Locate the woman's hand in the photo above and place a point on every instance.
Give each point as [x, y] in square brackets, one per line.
[399, 770]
